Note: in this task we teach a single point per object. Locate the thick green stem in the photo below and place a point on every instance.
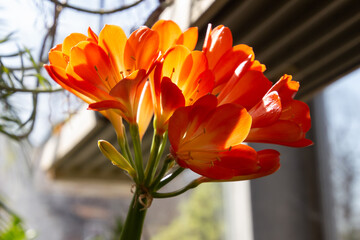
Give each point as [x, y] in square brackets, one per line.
[134, 131]
[157, 139]
[135, 218]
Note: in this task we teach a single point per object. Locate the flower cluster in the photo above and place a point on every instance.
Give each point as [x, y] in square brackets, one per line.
[208, 102]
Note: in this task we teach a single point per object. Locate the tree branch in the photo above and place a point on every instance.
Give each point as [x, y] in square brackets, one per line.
[100, 11]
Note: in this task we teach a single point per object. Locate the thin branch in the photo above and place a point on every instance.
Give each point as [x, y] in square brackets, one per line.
[100, 11]
[50, 33]
[154, 16]
[11, 89]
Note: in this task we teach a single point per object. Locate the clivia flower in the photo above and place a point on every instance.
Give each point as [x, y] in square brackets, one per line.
[94, 68]
[208, 138]
[277, 117]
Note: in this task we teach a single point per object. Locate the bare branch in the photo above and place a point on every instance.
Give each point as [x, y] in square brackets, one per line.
[154, 16]
[100, 11]
[11, 89]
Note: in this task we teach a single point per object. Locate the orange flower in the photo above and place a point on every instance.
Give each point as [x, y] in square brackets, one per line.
[280, 119]
[224, 58]
[277, 117]
[179, 80]
[96, 68]
[207, 139]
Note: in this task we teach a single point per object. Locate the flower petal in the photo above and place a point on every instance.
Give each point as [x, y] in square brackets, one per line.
[297, 112]
[227, 63]
[286, 88]
[282, 132]
[239, 161]
[168, 32]
[219, 42]
[189, 38]
[57, 57]
[92, 64]
[268, 162]
[247, 91]
[267, 111]
[107, 104]
[141, 49]
[145, 110]
[72, 40]
[113, 39]
[128, 91]
[171, 99]
[173, 62]
[225, 126]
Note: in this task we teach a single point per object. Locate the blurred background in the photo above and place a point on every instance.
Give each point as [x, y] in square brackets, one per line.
[54, 183]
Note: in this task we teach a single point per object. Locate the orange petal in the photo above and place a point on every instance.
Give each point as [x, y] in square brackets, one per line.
[282, 132]
[227, 64]
[188, 119]
[171, 99]
[195, 79]
[92, 64]
[297, 112]
[171, 96]
[189, 38]
[168, 32]
[113, 39]
[58, 58]
[72, 40]
[107, 104]
[145, 110]
[242, 160]
[286, 88]
[81, 91]
[257, 66]
[267, 111]
[269, 162]
[128, 91]
[220, 42]
[203, 85]
[178, 126]
[173, 62]
[247, 91]
[92, 36]
[226, 126]
[200, 111]
[141, 49]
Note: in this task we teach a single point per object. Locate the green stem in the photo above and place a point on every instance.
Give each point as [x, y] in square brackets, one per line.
[157, 139]
[134, 132]
[170, 178]
[160, 152]
[135, 218]
[191, 185]
[124, 149]
[169, 159]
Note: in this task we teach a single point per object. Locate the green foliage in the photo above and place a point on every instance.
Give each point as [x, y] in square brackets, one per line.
[11, 226]
[200, 216]
[14, 231]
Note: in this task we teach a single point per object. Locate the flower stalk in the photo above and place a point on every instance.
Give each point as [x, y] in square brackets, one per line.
[136, 215]
[134, 132]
